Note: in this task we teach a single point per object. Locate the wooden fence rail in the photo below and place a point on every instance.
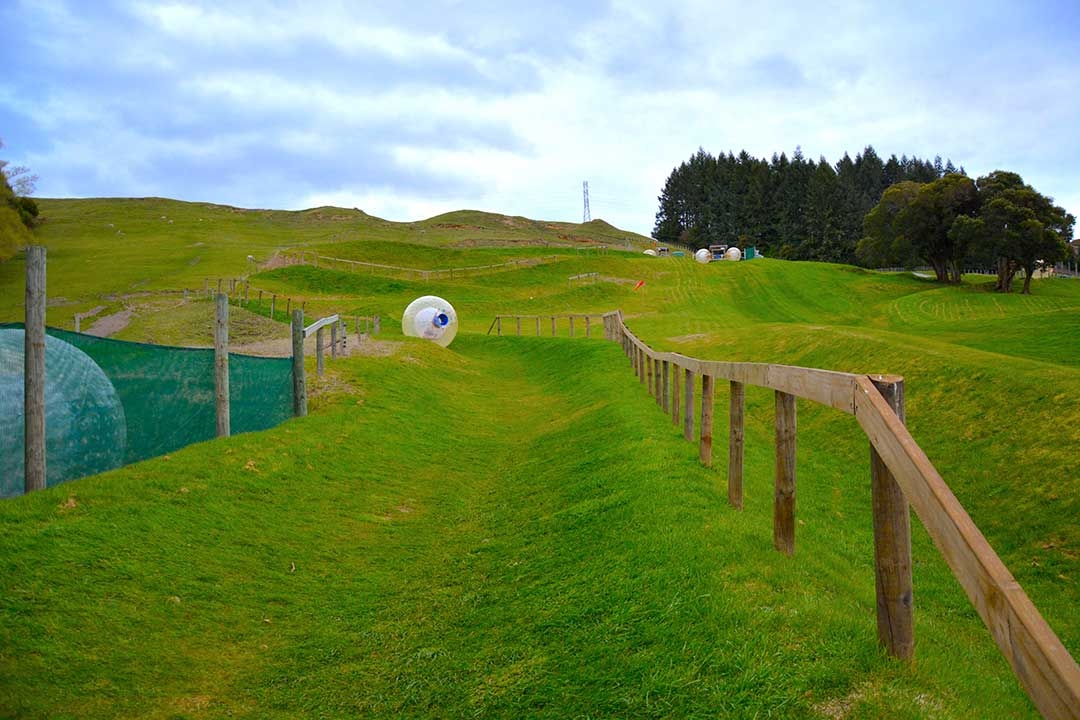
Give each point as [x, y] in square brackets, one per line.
[901, 475]
[586, 323]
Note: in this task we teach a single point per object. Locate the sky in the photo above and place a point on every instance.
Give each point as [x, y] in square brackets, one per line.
[410, 109]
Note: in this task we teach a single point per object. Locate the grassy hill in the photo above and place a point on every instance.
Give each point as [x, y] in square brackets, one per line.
[510, 527]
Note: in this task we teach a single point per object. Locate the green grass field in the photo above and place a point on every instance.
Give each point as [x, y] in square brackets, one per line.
[510, 527]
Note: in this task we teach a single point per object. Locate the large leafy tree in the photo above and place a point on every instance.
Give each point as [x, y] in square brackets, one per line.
[1017, 228]
[926, 223]
[18, 211]
[16, 187]
[915, 220]
[884, 242]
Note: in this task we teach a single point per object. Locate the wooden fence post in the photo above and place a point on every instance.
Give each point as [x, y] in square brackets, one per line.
[688, 410]
[273, 305]
[288, 307]
[221, 364]
[784, 494]
[892, 542]
[571, 326]
[333, 340]
[705, 448]
[658, 381]
[34, 477]
[319, 369]
[649, 384]
[588, 325]
[736, 437]
[258, 303]
[537, 326]
[299, 381]
[498, 325]
[665, 386]
[518, 318]
[376, 325]
[552, 326]
[676, 396]
[642, 365]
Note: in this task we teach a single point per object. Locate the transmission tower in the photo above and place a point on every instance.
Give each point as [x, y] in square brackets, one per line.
[586, 216]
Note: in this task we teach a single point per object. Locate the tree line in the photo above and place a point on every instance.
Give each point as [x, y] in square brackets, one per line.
[794, 208]
[901, 211]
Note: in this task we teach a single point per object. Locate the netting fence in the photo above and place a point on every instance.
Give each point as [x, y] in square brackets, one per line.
[110, 403]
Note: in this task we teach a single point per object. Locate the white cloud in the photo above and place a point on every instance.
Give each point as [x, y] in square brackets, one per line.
[410, 109]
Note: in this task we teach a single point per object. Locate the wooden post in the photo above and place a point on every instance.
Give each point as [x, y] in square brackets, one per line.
[333, 340]
[219, 286]
[676, 396]
[376, 324]
[273, 305]
[642, 365]
[343, 333]
[206, 286]
[518, 318]
[258, 303]
[571, 326]
[34, 371]
[735, 444]
[221, 364]
[247, 286]
[299, 384]
[319, 369]
[658, 382]
[665, 390]
[688, 410]
[588, 325]
[537, 326]
[892, 542]
[649, 384]
[498, 325]
[705, 449]
[552, 326]
[288, 307]
[784, 494]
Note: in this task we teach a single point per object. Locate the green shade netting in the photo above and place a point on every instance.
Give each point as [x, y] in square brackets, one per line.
[110, 403]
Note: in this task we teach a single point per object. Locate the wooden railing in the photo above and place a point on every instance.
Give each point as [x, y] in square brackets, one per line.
[542, 320]
[901, 475]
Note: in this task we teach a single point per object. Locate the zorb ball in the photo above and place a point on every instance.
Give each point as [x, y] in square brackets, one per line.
[432, 318]
[704, 255]
[85, 430]
[733, 253]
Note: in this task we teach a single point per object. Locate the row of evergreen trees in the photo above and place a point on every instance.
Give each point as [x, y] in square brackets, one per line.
[795, 209]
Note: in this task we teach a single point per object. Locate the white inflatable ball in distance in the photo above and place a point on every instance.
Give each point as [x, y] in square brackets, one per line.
[432, 318]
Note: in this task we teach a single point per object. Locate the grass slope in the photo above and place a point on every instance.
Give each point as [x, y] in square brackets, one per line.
[570, 558]
[420, 547]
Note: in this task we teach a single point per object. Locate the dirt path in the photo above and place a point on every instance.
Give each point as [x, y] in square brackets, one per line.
[111, 324]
